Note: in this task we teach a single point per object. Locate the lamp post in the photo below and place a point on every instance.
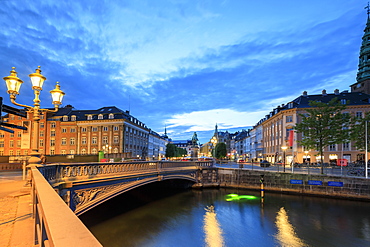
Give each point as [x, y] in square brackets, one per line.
[13, 84]
[284, 148]
[306, 153]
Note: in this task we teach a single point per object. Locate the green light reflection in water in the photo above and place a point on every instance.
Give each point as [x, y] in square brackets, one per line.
[236, 197]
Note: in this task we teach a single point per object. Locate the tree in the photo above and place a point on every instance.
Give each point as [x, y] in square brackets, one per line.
[323, 125]
[220, 151]
[170, 150]
[358, 131]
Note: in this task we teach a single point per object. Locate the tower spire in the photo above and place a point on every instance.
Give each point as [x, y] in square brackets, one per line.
[362, 84]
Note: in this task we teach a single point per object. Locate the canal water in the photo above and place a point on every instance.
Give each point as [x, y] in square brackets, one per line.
[230, 217]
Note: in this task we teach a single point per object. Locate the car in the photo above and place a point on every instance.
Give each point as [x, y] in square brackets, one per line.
[264, 163]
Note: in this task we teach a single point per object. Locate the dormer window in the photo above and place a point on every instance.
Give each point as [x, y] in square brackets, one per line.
[89, 117]
[343, 101]
[290, 105]
[73, 118]
[111, 116]
[65, 118]
[100, 116]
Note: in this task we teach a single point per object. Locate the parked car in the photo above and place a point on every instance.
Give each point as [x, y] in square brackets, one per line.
[264, 163]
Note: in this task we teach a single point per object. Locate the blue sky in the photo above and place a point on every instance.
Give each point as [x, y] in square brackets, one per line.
[182, 64]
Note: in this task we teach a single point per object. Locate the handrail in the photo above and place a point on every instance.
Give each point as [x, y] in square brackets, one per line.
[55, 223]
[59, 172]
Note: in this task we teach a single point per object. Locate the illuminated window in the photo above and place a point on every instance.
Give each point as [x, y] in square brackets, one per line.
[73, 118]
[105, 139]
[65, 118]
[52, 143]
[89, 117]
[111, 116]
[100, 116]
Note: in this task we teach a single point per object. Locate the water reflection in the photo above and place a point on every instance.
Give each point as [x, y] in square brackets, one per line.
[286, 234]
[212, 229]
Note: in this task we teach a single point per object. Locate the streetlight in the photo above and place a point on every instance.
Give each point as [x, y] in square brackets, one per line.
[13, 84]
[284, 148]
[306, 158]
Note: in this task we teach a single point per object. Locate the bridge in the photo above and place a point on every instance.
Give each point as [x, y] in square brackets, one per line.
[63, 191]
[80, 187]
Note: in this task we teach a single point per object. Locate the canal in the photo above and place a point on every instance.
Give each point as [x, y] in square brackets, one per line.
[228, 217]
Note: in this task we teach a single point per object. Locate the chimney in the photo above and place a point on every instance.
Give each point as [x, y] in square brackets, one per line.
[324, 92]
[304, 93]
[336, 91]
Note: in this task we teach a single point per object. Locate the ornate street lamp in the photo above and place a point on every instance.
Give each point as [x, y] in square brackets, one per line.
[13, 84]
[284, 148]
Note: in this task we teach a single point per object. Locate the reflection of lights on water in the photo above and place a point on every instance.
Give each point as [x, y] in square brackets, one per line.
[286, 234]
[236, 197]
[212, 229]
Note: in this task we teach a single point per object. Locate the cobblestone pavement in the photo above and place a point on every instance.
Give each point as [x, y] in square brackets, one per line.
[15, 212]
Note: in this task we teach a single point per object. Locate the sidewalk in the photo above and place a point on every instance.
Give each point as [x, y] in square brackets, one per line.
[16, 224]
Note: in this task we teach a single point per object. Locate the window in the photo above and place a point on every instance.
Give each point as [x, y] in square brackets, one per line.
[343, 101]
[19, 134]
[52, 133]
[11, 152]
[65, 118]
[83, 140]
[94, 151]
[89, 117]
[73, 118]
[64, 130]
[72, 141]
[94, 129]
[290, 105]
[100, 116]
[52, 152]
[346, 146]
[83, 129]
[64, 141]
[332, 147]
[19, 143]
[42, 125]
[12, 135]
[52, 125]
[289, 119]
[111, 116]
[63, 152]
[52, 143]
[116, 128]
[2, 135]
[25, 152]
[72, 151]
[105, 128]
[73, 130]
[105, 139]
[11, 143]
[42, 116]
[115, 139]
[41, 143]
[1, 144]
[94, 140]
[359, 114]
[41, 133]
[83, 151]
[18, 152]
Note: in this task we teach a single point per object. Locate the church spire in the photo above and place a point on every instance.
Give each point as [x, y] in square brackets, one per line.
[363, 74]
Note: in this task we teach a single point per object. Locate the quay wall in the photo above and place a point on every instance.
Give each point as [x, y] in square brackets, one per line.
[315, 185]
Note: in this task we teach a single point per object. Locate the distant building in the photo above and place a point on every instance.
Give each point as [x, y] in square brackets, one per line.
[80, 132]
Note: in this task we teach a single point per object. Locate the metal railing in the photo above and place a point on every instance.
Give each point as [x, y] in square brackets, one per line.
[64, 171]
[54, 223]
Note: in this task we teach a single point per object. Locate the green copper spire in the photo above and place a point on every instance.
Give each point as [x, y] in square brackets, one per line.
[362, 84]
[364, 62]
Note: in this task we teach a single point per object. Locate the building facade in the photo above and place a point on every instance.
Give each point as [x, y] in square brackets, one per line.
[80, 132]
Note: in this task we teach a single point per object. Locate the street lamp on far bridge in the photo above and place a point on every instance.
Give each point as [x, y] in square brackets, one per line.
[284, 148]
[13, 84]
